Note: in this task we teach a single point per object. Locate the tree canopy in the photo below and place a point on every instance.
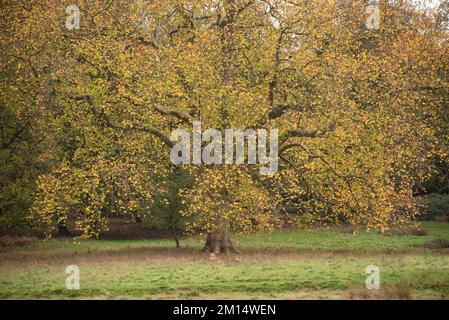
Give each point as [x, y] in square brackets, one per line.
[361, 112]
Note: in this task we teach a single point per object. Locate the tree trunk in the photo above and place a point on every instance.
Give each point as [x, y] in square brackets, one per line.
[175, 236]
[219, 241]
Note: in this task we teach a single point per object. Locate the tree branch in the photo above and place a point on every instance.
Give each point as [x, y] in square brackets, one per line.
[173, 112]
[135, 127]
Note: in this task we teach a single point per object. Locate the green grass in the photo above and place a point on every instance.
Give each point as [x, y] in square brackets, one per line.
[336, 239]
[315, 240]
[288, 264]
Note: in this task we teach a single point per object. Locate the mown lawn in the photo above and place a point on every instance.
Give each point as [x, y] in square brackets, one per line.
[279, 265]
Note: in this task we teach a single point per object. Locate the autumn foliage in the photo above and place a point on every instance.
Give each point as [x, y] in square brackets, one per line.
[360, 112]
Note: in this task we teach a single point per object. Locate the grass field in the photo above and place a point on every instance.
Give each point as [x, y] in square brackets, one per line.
[325, 264]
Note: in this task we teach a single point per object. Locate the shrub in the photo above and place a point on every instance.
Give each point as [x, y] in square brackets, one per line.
[434, 206]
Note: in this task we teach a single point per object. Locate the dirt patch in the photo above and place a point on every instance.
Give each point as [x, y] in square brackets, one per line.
[92, 255]
[390, 292]
[15, 241]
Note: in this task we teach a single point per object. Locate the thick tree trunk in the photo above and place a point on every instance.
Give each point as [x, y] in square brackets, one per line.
[219, 241]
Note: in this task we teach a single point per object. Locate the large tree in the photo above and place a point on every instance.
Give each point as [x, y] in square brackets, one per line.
[357, 123]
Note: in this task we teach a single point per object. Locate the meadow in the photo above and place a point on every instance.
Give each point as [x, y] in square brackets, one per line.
[295, 264]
